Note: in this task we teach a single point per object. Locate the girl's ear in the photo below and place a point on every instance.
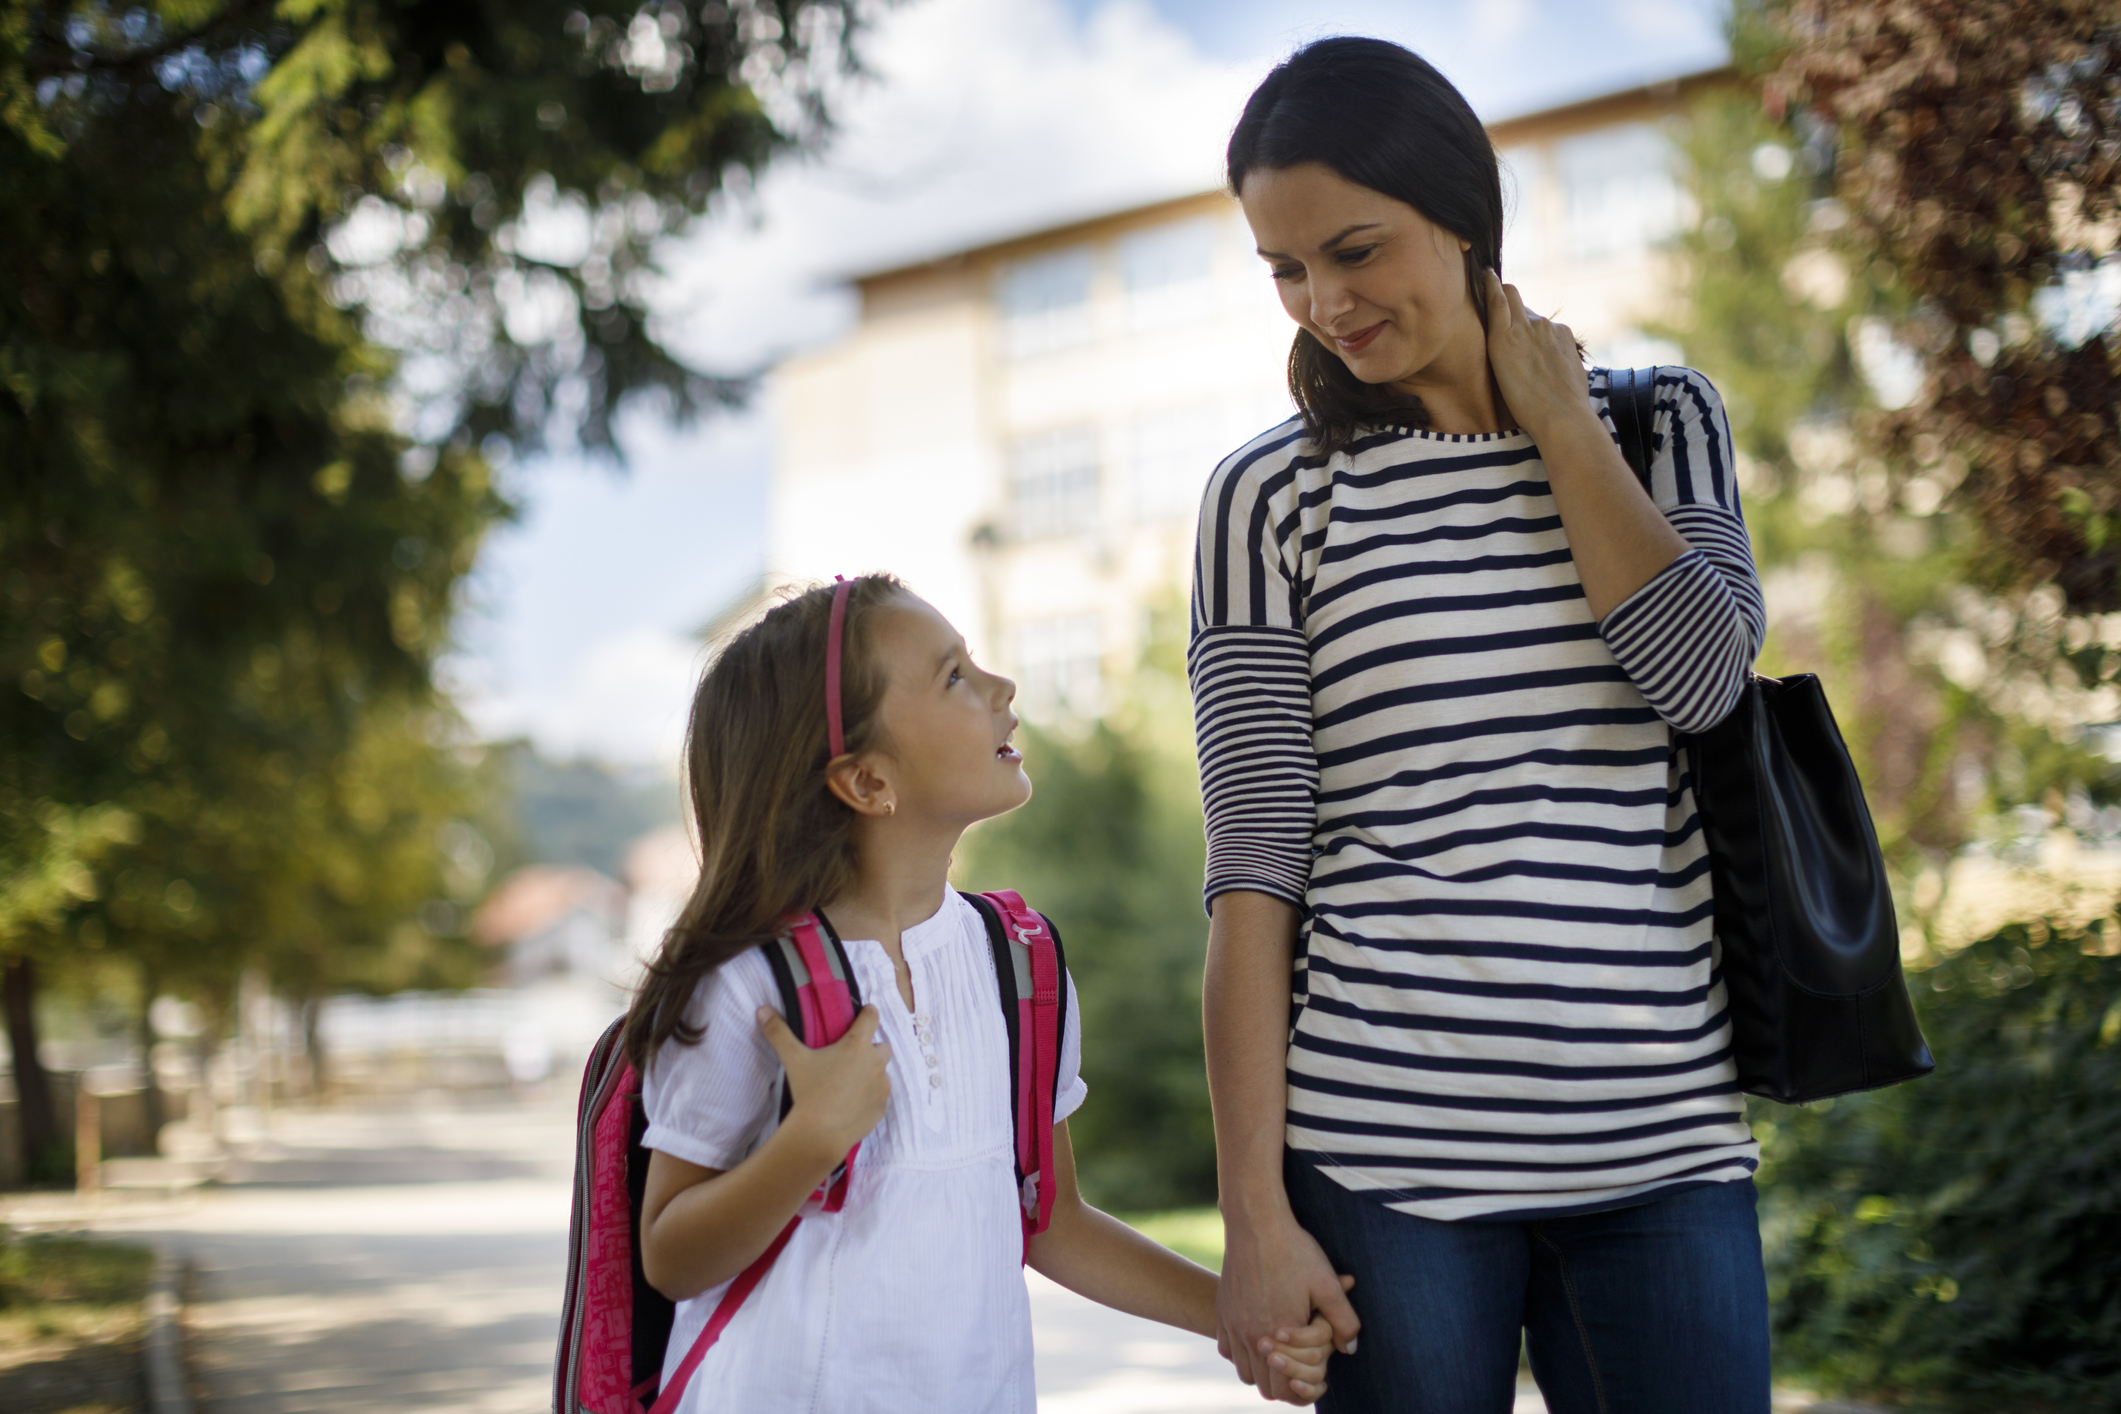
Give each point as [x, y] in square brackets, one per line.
[855, 781]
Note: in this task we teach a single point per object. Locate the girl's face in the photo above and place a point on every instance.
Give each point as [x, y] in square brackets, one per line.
[1373, 279]
[945, 752]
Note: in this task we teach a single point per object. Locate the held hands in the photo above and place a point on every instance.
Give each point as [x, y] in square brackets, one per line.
[1276, 1288]
[839, 1091]
[1299, 1356]
[1536, 364]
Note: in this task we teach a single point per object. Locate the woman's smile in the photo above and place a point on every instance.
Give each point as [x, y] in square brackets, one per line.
[1359, 340]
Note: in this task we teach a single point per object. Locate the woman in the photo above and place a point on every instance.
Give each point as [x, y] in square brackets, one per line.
[1442, 644]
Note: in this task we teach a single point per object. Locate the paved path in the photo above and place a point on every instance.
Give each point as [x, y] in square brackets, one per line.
[410, 1259]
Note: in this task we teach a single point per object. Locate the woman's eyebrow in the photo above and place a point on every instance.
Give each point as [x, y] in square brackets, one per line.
[1329, 243]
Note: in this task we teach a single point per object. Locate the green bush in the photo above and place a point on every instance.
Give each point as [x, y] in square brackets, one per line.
[1956, 1242]
[1111, 848]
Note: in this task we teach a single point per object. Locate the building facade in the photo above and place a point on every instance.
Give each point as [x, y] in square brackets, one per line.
[1021, 430]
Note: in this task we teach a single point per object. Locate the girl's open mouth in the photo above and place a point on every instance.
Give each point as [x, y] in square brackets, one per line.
[1006, 752]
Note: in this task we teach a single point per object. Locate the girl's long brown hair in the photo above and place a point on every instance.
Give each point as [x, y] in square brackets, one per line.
[773, 839]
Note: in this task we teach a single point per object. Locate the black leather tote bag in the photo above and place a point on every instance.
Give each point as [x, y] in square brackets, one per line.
[1804, 918]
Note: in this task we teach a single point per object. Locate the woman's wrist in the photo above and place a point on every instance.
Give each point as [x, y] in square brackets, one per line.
[1256, 1203]
[1572, 439]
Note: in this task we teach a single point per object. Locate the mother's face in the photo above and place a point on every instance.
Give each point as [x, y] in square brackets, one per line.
[1373, 279]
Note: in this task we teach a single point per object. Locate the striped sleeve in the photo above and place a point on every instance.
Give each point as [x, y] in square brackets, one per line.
[1250, 668]
[1689, 636]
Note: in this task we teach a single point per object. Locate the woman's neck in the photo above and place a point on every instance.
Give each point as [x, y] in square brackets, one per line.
[1457, 387]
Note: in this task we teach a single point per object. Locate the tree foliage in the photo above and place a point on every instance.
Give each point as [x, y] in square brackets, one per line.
[285, 283]
[1112, 848]
[1946, 1243]
[1980, 147]
[483, 186]
[1957, 1242]
[1960, 701]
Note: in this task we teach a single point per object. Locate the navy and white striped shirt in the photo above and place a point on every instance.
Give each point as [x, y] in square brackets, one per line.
[1410, 725]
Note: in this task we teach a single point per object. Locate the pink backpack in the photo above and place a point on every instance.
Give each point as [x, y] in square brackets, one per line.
[614, 1326]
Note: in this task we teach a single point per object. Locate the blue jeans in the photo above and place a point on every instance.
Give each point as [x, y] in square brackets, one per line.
[1658, 1308]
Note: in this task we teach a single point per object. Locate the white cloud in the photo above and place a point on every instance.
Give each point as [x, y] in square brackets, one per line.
[625, 701]
[984, 118]
[1496, 20]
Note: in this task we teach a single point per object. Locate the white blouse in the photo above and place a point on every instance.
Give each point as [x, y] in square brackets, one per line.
[911, 1297]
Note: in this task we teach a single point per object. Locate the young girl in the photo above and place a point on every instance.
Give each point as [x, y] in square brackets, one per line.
[910, 1297]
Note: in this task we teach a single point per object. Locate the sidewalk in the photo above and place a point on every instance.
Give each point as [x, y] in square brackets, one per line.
[395, 1260]
[358, 1261]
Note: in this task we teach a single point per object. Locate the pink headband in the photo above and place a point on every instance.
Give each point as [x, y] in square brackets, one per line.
[835, 733]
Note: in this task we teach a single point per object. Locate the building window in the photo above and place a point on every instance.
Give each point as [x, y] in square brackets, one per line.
[1165, 269]
[1059, 664]
[1169, 455]
[1053, 482]
[1045, 302]
[1619, 196]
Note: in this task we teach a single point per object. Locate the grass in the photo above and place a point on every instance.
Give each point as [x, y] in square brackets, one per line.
[1190, 1232]
[71, 1321]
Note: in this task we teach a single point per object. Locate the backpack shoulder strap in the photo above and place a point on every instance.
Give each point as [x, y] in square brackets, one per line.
[787, 965]
[819, 993]
[1014, 979]
[1034, 994]
[1631, 396]
[819, 997]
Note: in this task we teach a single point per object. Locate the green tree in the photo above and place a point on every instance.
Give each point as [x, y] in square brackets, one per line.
[285, 281]
[1940, 1243]
[1980, 146]
[1112, 849]
[1958, 1243]
[581, 811]
[1865, 553]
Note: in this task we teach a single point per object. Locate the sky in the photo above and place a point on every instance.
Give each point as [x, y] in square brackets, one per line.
[983, 118]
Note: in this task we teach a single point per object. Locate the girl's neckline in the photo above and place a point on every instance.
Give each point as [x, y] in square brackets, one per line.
[915, 937]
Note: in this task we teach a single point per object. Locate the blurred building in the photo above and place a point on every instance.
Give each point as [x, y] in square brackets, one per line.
[556, 921]
[660, 869]
[1022, 429]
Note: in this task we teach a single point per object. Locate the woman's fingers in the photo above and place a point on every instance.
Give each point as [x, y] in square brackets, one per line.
[1516, 301]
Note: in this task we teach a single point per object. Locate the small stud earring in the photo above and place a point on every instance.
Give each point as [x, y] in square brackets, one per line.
[890, 807]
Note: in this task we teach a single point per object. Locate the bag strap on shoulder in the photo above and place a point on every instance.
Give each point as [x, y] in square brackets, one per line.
[1032, 972]
[1631, 396]
[819, 997]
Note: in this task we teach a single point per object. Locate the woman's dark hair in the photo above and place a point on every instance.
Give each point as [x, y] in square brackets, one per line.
[1383, 118]
[774, 840]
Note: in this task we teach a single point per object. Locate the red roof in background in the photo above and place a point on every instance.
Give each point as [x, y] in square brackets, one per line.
[537, 896]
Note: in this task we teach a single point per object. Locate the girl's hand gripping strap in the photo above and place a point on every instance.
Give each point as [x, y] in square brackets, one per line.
[827, 1005]
[828, 1010]
[1038, 1061]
